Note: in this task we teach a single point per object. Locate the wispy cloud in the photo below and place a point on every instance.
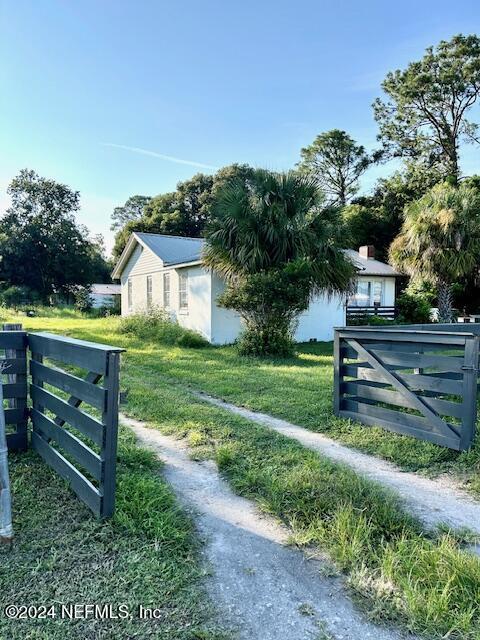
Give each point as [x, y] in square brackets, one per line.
[162, 156]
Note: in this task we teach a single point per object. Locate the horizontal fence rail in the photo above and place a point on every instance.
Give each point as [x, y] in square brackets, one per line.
[412, 380]
[356, 313]
[75, 414]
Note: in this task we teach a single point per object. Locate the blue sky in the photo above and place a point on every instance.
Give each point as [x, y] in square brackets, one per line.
[88, 85]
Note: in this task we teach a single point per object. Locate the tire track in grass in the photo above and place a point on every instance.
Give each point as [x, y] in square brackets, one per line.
[266, 589]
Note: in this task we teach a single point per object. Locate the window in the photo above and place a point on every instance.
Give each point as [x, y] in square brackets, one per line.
[183, 291]
[377, 293]
[368, 293]
[129, 294]
[149, 292]
[166, 290]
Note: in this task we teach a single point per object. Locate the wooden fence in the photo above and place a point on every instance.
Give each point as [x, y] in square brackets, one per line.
[356, 313]
[413, 380]
[13, 364]
[74, 414]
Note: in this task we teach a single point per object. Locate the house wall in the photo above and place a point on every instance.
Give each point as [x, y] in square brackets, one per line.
[226, 324]
[320, 319]
[103, 299]
[198, 316]
[143, 263]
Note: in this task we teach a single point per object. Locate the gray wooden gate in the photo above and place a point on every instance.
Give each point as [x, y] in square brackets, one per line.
[80, 444]
[74, 414]
[409, 380]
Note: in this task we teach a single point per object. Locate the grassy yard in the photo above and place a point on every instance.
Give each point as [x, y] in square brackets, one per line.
[299, 390]
[147, 555]
[427, 583]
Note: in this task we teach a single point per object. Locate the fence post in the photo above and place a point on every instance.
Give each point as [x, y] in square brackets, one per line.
[469, 402]
[19, 378]
[109, 446]
[336, 372]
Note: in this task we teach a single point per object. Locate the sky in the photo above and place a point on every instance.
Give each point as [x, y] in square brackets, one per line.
[117, 98]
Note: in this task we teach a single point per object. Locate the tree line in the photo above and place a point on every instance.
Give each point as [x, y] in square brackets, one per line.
[424, 218]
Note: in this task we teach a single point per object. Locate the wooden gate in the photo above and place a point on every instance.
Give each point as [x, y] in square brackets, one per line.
[13, 364]
[80, 444]
[415, 382]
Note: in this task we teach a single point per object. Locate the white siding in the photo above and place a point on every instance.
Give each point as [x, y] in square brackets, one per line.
[142, 262]
[320, 319]
[226, 324]
[198, 315]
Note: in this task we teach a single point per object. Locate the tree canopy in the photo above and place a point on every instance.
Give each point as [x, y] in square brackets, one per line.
[336, 161]
[427, 104]
[439, 242]
[183, 212]
[131, 210]
[276, 247]
[41, 245]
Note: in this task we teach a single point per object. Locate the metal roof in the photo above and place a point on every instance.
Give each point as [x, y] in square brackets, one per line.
[176, 250]
[369, 266]
[106, 289]
[173, 249]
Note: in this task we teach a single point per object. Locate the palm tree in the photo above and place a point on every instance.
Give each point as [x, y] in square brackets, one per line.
[270, 229]
[440, 240]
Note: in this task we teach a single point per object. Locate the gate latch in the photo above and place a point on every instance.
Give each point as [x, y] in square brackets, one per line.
[469, 367]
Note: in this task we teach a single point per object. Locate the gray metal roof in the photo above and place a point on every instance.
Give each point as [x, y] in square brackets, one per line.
[173, 249]
[370, 267]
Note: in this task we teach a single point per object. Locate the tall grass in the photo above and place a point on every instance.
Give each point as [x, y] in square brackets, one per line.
[156, 325]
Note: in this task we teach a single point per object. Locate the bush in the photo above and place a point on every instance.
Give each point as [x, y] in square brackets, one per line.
[83, 300]
[156, 325]
[269, 302]
[368, 320]
[16, 297]
[267, 342]
[413, 308]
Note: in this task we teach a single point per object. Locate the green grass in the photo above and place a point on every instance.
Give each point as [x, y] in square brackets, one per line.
[147, 555]
[297, 389]
[428, 584]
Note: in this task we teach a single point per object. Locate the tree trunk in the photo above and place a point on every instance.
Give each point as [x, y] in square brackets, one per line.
[445, 307]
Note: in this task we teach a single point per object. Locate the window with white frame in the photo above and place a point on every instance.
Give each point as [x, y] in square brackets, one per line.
[183, 290]
[129, 294]
[166, 290]
[368, 293]
[149, 292]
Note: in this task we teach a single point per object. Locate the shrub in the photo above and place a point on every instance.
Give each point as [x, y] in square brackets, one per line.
[413, 308]
[269, 303]
[17, 297]
[156, 325]
[83, 300]
[368, 320]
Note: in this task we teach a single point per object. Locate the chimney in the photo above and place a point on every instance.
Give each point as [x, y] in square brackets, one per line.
[367, 251]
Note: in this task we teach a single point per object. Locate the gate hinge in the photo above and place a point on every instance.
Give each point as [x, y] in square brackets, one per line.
[469, 367]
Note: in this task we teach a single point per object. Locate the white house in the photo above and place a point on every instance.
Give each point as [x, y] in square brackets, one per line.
[167, 271]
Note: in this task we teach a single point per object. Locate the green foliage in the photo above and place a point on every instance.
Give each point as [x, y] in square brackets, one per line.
[413, 308]
[156, 325]
[440, 240]
[132, 210]
[276, 248]
[41, 245]
[17, 297]
[336, 161]
[184, 212]
[377, 219]
[366, 319]
[425, 115]
[83, 300]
